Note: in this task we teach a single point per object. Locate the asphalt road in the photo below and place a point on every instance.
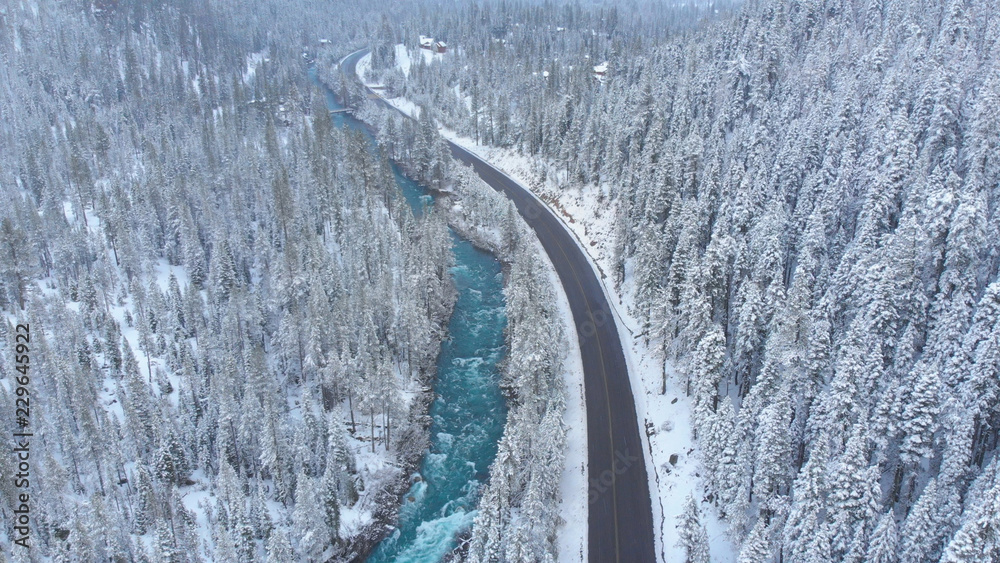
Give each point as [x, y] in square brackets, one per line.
[621, 518]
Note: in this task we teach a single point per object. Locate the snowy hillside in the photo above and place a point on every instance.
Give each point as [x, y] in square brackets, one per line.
[795, 203]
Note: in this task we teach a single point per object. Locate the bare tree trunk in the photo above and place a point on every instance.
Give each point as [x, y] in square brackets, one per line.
[350, 404]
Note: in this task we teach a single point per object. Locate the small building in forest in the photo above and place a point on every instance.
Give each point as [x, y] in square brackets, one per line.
[432, 45]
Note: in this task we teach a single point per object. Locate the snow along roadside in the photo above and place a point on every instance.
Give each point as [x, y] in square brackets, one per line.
[656, 457]
[665, 417]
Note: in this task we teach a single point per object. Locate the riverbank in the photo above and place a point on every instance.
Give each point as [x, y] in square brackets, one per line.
[413, 441]
[435, 497]
[522, 504]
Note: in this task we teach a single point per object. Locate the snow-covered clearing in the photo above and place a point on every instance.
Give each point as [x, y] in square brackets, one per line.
[402, 104]
[364, 68]
[253, 61]
[403, 59]
[406, 106]
[430, 56]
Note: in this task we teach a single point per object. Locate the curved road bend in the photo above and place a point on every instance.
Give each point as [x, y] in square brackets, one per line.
[621, 518]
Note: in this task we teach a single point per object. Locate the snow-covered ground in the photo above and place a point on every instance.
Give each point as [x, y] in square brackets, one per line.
[253, 61]
[667, 426]
[364, 68]
[406, 106]
[403, 59]
[665, 419]
[428, 55]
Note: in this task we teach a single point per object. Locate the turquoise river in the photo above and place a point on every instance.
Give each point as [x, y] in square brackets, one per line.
[468, 412]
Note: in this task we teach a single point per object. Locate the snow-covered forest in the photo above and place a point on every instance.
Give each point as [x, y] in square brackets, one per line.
[235, 317]
[806, 197]
[233, 313]
[518, 514]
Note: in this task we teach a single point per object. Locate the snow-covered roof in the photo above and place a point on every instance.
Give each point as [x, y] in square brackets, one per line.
[601, 68]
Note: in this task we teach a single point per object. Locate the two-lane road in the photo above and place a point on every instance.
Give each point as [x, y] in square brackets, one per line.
[620, 514]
